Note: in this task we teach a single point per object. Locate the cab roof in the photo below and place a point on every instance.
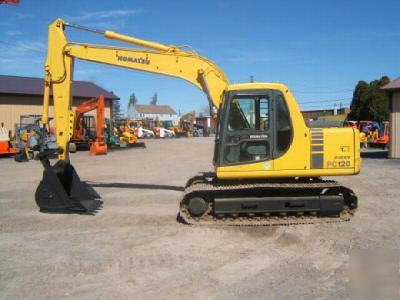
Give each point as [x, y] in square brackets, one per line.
[256, 86]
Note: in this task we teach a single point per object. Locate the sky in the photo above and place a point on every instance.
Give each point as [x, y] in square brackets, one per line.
[319, 49]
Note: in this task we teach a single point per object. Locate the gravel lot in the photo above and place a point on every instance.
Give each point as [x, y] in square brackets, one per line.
[135, 248]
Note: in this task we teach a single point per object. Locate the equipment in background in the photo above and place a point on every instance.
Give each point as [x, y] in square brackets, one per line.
[158, 130]
[6, 148]
[126, 135]
[185, 125]
[84, 126]
[141, 128]
[268, 163]
[380, 135]
[167, 124]
[29, 138]
[372, 133]
[199, 130]
[111, 135]
[162, 132]
[116, 142]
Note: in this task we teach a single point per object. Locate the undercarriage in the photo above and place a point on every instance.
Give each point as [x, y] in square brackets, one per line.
[209, 201]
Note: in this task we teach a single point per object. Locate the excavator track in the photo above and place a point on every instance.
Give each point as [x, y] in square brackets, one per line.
[209, 188]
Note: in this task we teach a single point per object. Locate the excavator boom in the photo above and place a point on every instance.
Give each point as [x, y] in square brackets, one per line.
[153, 58]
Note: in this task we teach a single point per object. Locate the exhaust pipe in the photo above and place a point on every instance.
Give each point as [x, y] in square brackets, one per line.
[62, 191]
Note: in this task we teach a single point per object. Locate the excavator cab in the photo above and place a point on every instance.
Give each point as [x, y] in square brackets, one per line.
[256, 127]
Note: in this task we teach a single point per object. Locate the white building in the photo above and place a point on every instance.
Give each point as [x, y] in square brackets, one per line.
[142, 111]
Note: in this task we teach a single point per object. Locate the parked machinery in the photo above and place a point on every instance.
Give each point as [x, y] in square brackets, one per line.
[158, 130]
[30, 139]
[81, 136]
[6, 148]
[162, 132]
[198, 130]
[111, 134]
[373, 133]
[268, 163]
[141, 127]
[382, 137]
[185, 125]
[126, 134]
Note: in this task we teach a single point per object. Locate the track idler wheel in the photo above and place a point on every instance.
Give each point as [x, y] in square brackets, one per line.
[198, 206]
[62, 191]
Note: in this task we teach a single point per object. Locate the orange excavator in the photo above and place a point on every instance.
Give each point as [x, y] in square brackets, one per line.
[382, 136]
[5, 148]
[79, 137]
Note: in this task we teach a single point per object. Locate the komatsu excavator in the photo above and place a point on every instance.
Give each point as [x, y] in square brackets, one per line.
[268, 163]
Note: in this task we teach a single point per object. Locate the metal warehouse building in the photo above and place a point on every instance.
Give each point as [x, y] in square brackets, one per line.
[24, 95]
[393, 88]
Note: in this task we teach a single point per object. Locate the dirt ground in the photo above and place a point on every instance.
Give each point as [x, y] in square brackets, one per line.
[135, 248]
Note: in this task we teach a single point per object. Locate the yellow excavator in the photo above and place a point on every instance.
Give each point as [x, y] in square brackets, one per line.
[185, 126]
[268, 163]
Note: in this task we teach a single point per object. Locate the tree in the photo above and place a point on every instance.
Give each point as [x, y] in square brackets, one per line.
[369, 101]
[130, 111]
[132, 100]
[115, 109]
[154, 99]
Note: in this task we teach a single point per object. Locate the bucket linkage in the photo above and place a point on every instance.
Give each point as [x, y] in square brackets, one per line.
[62, 191]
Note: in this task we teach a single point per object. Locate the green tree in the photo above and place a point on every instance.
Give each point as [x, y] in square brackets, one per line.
[154, 99]
[115, 110]
[369, 101]
[130, 110]
[132, 99]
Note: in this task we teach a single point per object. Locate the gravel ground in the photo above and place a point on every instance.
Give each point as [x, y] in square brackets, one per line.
[135, 248]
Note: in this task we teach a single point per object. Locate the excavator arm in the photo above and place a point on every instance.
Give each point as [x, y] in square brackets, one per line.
[151, 57]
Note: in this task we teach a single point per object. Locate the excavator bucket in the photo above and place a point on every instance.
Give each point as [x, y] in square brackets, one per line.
[98, 148]
[62, 191]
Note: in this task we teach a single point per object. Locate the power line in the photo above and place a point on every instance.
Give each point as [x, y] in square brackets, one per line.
[322, 92]
[320, 87]
[311, 106]
[325, 101]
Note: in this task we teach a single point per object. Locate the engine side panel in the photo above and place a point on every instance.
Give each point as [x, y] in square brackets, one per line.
[321, 152]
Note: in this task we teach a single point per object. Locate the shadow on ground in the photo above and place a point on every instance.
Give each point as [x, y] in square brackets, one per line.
[136, 186]
[140, 145]
[375, 154]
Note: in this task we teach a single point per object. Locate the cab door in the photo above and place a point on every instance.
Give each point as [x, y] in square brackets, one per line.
[245, 128]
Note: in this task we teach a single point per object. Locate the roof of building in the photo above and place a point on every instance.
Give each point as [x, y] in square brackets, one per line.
[154, 109]
[34, 86]
[393, 85]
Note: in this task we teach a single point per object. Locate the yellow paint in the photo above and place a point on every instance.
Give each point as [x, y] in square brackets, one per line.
[296, 162]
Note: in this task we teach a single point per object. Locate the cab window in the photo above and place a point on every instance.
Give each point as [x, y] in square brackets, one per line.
[249, 113]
